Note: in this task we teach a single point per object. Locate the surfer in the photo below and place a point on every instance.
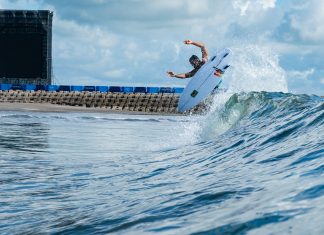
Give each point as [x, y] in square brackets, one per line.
[194, 61]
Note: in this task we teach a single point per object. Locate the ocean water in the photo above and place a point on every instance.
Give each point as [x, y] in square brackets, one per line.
[253, 164]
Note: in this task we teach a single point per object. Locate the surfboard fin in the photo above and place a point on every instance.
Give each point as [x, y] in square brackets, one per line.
[194, 93]
[226, 67]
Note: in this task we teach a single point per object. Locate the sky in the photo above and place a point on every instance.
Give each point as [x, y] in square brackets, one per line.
[134, 42]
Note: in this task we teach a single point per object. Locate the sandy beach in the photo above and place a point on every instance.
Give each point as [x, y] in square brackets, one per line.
[47, 107]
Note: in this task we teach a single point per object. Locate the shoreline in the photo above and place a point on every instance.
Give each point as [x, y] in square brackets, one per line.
[54, 108]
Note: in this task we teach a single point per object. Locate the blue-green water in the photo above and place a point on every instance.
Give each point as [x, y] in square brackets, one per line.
[253, 164]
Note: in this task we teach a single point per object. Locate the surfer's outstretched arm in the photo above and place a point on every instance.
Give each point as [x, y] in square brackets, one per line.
[180, 75]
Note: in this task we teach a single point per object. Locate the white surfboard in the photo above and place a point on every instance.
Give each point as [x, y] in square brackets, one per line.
[207, 78]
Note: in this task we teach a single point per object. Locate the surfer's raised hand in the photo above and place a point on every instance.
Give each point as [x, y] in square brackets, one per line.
[187, 42]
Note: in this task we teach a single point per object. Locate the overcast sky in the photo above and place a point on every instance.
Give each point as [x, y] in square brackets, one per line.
[124, 42]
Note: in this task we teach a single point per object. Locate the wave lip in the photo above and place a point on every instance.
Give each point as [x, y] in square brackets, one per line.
[275, 111]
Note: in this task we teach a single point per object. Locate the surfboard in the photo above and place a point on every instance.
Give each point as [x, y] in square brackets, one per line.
[207, 78]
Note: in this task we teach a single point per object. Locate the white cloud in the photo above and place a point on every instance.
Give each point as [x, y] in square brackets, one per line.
[308, 21]
[99, 1]
[177, 49]
[136, 53]
[299, 74]
[167, 5]
[197, 7]
[116, 73]
[86, 44]
[322, 81]
[20, 5]
[246, 5]
[242, 6]
[267, 3]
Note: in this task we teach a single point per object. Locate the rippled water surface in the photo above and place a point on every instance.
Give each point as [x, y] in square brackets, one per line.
[253, 164]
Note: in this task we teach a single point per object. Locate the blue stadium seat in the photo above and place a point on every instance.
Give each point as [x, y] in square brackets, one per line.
[140, 89]
[89, 88]
[153, 89]
[5, 87]
[64, 88]
[128, 89]
[50, 88]
[77, 88]
[166, 90]
[102, 88]
[178, 90]
[17, 87]
[115, 89]
[29, 87]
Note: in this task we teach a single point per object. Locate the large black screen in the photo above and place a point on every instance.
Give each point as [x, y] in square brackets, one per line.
[20, 55]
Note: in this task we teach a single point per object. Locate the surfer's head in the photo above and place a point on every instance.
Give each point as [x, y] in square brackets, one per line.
[194, 61]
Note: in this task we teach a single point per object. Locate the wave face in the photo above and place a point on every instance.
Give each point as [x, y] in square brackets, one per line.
[263, 163]
[253, 164]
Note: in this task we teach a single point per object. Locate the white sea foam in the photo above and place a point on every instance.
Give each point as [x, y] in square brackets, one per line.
[254, 68]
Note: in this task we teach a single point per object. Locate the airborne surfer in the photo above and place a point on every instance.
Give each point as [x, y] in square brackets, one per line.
[194, 61]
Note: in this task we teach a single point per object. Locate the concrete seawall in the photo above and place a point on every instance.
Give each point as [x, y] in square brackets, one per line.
[154, 103]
